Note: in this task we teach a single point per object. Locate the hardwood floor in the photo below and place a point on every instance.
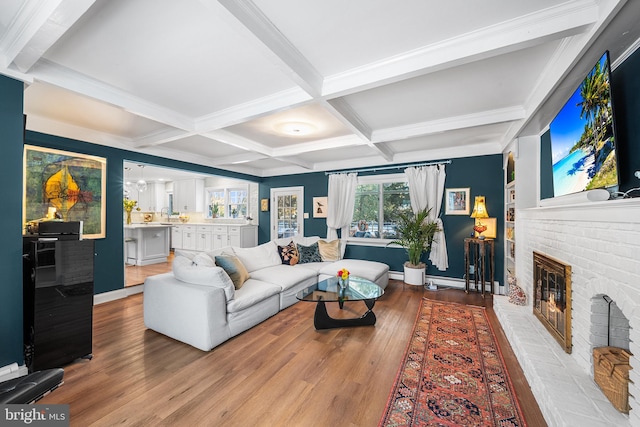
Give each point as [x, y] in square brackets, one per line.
[135, 274]
[282, 372]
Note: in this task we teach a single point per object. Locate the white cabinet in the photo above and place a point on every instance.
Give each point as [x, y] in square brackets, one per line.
[207, 237]
[219, 236]
[176, 237]
[189, 241]
[188, 195]
[151, 243]
[245, 236]
[204, 242]
[152, 199]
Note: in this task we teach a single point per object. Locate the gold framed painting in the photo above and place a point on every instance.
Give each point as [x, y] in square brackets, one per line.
[65, 185]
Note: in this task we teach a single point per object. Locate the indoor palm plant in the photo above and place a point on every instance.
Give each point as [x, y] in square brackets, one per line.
[416, 236]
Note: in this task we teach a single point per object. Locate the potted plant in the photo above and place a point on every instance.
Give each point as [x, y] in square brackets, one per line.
[416, 236]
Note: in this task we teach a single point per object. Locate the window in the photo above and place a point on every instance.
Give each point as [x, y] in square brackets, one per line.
[378, 201]
[227, 203]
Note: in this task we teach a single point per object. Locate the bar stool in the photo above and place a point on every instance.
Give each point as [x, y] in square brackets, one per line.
[131, 246]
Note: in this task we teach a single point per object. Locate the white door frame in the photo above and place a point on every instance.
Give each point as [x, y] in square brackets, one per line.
[281, 191]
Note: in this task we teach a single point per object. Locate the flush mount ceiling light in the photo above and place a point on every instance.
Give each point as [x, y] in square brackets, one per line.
[295, 128]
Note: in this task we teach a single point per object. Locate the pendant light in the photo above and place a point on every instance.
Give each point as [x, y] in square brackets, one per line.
[141, 185]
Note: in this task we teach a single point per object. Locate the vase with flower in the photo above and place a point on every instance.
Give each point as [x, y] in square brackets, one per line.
[343, 278]
[128, 205]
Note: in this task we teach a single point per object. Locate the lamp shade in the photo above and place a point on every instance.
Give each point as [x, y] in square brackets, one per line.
[479, 208]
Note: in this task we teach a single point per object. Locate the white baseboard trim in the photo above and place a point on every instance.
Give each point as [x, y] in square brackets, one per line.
[117, 294]
[449, 282]
[12, 371]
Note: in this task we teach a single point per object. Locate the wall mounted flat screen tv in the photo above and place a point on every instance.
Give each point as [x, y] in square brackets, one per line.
[583, 147]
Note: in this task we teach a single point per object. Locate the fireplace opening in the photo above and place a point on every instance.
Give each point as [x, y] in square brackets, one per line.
[552, 297]
[609, 326]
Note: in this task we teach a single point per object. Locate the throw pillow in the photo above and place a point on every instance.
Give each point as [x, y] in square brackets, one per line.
[309, 253]
[289, 254]
[234, 268]
[186, 271]
[329, 251]
[258, 257]
[203, 260]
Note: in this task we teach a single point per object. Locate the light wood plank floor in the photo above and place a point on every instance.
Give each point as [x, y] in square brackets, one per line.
[280, 373]
[135, 274]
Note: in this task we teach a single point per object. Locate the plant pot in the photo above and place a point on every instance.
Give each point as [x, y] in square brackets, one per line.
[414, 275]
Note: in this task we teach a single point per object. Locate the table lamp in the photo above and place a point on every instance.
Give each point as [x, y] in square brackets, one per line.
[479, 211]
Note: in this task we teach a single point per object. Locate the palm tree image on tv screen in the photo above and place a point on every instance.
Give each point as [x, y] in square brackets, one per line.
[582, 136]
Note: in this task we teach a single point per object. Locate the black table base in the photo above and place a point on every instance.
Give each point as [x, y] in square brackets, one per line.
[322, 320]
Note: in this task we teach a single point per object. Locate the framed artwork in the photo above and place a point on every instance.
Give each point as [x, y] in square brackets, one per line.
[457, 201]
[65, 185]
[320, 207]
[264, 205]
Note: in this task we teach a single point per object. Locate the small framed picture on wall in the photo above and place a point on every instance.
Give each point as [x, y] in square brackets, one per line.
[264, 205]
[457, 201]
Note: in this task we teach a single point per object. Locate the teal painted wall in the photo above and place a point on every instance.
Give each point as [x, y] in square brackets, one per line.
[109, 270]
[625, 88]
[11, 134]
[482, 174]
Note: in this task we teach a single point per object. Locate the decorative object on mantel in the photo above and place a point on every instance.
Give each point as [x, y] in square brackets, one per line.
[128, 205]
[479, 212]
[450, 348]
[516, 293]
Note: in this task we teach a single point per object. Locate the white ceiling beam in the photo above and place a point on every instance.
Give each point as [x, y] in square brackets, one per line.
[559, 66]
[549, 24]
[280, 101]
[57, 75]
[296, 161]
[60, 20]
[234, 140]
[321, 144]
[160, 137]
[54, 127]
[449, 123]
[237, 159]
[249, 18]
[30, 18]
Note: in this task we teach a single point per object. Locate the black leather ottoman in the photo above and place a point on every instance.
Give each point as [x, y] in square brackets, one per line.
[31, 387]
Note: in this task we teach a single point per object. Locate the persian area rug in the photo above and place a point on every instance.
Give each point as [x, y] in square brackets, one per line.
[453, 373]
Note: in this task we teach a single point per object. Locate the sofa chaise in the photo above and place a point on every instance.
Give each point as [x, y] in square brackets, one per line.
[203, 305]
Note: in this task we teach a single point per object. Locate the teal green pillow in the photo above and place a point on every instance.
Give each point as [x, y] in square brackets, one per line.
[234, 268]
[309, 253]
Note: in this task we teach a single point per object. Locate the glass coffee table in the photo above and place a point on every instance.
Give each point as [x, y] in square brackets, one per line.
[329, 290]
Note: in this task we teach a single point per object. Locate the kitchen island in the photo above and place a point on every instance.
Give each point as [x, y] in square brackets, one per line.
[146, 243]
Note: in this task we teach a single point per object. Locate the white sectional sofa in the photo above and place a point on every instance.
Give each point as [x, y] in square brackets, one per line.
[198, 303]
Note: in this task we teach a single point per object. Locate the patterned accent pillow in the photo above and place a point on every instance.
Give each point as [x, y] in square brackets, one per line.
[234, 268]
[289, 254]
[309, 253]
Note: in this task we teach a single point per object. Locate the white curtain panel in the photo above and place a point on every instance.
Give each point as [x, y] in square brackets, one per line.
[341, 200]
[426, 190]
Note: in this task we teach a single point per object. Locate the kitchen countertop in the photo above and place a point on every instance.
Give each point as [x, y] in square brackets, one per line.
[147, 225]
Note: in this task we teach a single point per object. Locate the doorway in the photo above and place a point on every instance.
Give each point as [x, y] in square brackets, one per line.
[287, 212]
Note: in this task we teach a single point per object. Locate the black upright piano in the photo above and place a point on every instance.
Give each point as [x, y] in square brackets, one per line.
[58, 300]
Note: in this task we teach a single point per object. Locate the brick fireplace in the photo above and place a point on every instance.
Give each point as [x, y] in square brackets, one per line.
[601, 243]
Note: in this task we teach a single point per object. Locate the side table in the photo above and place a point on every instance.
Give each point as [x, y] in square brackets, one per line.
[478, 250]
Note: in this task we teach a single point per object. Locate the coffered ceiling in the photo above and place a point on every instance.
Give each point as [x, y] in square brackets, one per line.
[272, 87]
